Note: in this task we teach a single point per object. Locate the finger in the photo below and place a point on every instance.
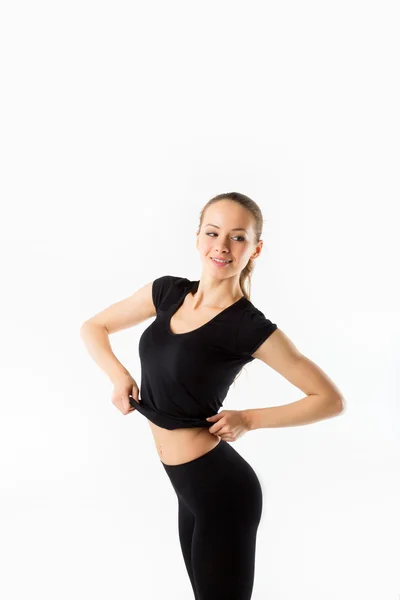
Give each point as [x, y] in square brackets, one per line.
[222, 431]
[215, 429]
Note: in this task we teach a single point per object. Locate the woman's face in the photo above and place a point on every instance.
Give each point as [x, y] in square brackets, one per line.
[227, 233]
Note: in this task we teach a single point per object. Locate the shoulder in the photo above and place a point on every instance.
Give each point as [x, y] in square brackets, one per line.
[168, 287]
[254, 327]
[168, 280]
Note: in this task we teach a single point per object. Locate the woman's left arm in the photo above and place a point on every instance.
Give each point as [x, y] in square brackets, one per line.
[323, 401]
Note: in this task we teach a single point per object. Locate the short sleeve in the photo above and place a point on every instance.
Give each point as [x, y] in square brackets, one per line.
[165, 291]
[254, 328]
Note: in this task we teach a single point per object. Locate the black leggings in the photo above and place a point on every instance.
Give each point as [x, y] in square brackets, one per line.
[219, 511]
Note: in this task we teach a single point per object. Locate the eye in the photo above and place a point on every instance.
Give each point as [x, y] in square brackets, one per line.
[236, 236]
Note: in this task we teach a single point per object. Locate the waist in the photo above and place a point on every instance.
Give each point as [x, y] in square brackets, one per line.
[177, 446]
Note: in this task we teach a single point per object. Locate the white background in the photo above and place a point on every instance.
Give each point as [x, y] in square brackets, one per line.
[119, 121]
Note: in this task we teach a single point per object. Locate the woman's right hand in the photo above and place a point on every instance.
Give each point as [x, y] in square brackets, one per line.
[124, 387]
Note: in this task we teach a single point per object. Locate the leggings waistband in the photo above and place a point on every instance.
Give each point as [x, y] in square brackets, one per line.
[199, 459]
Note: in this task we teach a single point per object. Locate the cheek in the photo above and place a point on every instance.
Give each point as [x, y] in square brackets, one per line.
[241, 252]
[206, 246]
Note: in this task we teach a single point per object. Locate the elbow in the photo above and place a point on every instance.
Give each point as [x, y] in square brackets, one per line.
[84, 327]
[334, 405]
[339, 405]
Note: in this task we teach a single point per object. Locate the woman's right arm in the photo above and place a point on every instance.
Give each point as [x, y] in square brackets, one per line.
[121, 315]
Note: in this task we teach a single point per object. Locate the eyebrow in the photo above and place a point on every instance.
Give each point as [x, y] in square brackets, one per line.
[235, 228]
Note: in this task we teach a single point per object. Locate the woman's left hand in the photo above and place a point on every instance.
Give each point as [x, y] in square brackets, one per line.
[230, 425]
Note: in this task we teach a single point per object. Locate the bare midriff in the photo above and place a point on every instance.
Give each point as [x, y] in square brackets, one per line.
[178, 446]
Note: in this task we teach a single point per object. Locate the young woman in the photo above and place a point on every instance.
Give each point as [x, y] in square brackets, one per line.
[204, 332]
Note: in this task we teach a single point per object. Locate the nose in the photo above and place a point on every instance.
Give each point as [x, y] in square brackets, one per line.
[222, 246]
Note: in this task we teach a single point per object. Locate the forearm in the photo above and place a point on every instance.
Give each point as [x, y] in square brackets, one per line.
[97, 342]
[310, 409]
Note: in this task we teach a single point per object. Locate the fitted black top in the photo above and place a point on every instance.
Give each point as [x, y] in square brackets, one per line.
[186, 376]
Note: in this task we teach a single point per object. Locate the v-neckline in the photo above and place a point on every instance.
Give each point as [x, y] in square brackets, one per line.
[177, 306]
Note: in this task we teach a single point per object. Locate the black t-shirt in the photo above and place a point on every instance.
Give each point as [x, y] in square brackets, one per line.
[186, 376]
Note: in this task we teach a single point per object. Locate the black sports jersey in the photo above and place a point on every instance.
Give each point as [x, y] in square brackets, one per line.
[186, 376]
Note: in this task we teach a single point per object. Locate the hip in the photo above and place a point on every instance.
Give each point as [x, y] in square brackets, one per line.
[220, 486]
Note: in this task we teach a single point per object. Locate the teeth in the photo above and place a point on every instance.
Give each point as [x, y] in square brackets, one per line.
[221, 261]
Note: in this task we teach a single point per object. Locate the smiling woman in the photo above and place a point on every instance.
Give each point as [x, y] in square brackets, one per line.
[204, 332]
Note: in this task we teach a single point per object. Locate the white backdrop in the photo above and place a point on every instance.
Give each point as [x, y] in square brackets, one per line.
[119, 121]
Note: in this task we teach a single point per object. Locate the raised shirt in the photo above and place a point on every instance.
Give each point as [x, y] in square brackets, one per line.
[185, 377]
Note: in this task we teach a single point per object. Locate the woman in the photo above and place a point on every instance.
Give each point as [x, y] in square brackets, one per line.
[204, 333]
